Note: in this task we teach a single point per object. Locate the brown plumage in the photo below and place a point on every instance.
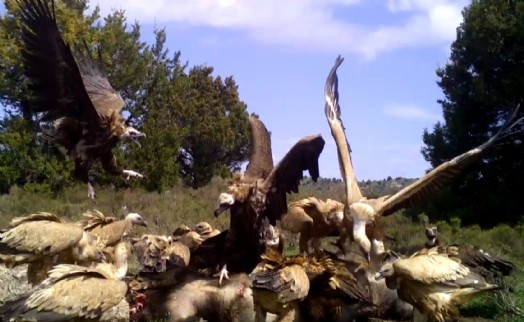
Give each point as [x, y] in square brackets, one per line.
[434, 283]
[205, 230]
[199, 297]
[185, 235]
[363, 210]
[70, 293]
[109, 230]
[313, 219]
[44, 240]
[328, 278]
[72, 91]
[157, 253]
[259, 198]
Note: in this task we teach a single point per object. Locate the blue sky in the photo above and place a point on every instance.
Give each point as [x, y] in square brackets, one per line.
[280, 53]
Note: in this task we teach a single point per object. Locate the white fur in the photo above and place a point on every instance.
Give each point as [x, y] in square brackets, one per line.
[134, 217]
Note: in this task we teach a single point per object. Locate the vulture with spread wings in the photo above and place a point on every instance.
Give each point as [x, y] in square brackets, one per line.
[361, 210]
[71, 93]
[258, 198]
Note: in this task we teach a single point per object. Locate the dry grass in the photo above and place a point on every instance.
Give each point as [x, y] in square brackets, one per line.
[165, 211]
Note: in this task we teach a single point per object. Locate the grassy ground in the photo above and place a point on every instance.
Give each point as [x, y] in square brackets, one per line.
[165, 211]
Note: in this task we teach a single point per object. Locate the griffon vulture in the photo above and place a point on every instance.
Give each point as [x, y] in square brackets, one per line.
[70, 293]
[74, 95]
[473, 257]
[434, 284]
[188, 237]
[258, 198]
[313, 219]
[108, 229]
[205, 230]
[310, 288]
[363, 210]
[158, 253]
[44, 240]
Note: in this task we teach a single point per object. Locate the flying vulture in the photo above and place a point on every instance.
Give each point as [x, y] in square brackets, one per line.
[108, 229]
[70, 292]
[43, 240]
[435, 284]
[362, 210]
[71, 93]
[258, 198]
[313, 219]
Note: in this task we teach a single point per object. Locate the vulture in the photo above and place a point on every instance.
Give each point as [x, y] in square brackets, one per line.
[362, 210]
[278, 288]
[313, 219]
[476, 259]
[70, 293]
[109, 229]
[259, 198]
[435, 284]
[72, 95]
[158, 253]
[43, 240]
[188, 237]
[205, 230]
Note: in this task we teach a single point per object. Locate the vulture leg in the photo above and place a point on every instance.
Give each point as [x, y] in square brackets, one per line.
[82, 173]
[260, 314]
[90, 191]
[131, 174]
[222, 274]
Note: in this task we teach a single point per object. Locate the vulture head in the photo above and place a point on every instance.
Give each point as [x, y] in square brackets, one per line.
[203, 228]
[237, 192]
[387, 271]
[335, 211]
[136, 219]
[130, 134]
[431, 235]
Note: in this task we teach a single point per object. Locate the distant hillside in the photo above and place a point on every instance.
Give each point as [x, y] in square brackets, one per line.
[334, 188]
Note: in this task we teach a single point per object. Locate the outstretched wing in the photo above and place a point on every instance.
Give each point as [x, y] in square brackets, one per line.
[55, 78]
[286, 176]
[106, 100]
[429, 185]
[261, 159]
[332, 111]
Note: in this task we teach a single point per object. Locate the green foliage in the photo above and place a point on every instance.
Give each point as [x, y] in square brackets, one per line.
[195, 123]
[482, 83]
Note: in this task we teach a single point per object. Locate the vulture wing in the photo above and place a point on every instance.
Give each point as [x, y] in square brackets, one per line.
[286, 176]
[41, 237]
[261, 159]
[431, 183]
[39, 216]
[105, 99]
[430, 269]
[93, 219]
[290, 282]
[333, 112]
[55, 78]
[70, 291]
[110, 234]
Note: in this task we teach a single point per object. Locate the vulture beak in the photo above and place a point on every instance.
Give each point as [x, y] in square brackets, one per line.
[220, 209]
[138, 136]
[379, 276]
[143, 223]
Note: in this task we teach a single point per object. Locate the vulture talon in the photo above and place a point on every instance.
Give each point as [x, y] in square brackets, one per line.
[132, 174]
[91, 192]
[222, 274]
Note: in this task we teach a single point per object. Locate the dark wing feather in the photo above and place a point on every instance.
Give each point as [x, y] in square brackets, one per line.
[429, 185]
[105, 99]
[286, 176]
[55, 78]
[261, 159]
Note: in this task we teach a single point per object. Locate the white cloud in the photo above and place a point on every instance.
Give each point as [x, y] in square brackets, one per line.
[410, 112]
[309, 24]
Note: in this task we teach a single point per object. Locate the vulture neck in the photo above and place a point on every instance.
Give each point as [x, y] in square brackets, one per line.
[432, 242]
[353, 193]
[376, 254]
